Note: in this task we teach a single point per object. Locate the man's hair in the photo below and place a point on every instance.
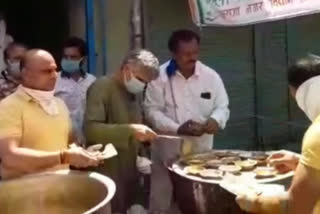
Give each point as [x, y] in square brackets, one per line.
[144, 58]
[11, 46]
[303, 70]
[77, 43]
[181, 35]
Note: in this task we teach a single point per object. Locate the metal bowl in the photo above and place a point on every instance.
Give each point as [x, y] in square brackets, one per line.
[57, 192]
[198, 195]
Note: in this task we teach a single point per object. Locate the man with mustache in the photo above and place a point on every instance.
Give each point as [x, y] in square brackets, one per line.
[187, 99]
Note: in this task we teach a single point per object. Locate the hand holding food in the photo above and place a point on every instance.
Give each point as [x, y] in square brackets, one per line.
[284, 161]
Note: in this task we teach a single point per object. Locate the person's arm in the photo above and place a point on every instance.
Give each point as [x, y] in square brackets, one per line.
[154, 106]
[19, 160]
[23, 160]
[221, 110]
[304, 191]
[305, 188]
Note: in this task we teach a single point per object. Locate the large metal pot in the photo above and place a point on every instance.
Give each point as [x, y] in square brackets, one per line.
[198, 196]
[58, 192]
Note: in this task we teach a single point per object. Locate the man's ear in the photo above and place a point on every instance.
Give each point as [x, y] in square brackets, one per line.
[126, 72]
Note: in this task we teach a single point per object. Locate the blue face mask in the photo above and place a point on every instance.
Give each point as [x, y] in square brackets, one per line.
[70, 66]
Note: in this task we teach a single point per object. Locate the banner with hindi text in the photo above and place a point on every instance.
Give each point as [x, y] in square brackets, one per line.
[245, 12]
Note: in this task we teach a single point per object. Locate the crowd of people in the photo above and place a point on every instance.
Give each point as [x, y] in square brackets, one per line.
[43, 112]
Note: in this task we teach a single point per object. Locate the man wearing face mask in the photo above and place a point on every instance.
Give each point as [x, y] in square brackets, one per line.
[35, 128]
[113, 115]
[73, 82]
[11, 78]
[304, 193]
[5, 40]
[187, 99]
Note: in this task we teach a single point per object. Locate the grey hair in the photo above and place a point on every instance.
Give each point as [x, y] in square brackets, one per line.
[144, 58]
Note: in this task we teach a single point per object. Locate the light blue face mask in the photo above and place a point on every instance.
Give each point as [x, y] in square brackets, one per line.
[70, 66]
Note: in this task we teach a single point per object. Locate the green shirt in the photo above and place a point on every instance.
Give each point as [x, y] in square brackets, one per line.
[110, 110]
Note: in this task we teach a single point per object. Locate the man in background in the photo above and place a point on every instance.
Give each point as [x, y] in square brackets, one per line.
[10, 78]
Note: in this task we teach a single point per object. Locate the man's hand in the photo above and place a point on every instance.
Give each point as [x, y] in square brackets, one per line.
[79, 158]
[212, 126]
[249, 203]
[143, 133]
[253, 203]
[284, 161]
[191, 128]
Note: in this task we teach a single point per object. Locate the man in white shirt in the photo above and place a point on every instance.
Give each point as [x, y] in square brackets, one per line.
[73, 82]
[187, 99]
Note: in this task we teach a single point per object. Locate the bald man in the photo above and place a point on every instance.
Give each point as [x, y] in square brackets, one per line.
[35, 125]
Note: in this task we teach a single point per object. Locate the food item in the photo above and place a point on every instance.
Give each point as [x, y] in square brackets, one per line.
[213, 164]
[230, 168]
[247, 164]
[265, 172]
[211, 173]
[205, 156]
[186, 147]
[222, 154]
[259, 156]
[195, 162]
[194, 169]
[229, 160]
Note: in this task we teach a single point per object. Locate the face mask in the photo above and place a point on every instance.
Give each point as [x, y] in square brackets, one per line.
[308, 99]
[70, 66]
[14, 67]
[134, 85]
[44, 98]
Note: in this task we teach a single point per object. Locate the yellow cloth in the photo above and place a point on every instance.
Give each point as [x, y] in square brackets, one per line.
[22, 117]
[311, 150]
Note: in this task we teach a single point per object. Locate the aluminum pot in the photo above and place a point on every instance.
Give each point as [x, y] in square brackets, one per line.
[194, 196]
[65, 191]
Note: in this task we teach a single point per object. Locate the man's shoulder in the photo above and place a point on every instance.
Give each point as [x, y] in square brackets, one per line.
[13, 101]
[90, 78]
[163, 77]
[104, 82]
[103, 86]
[312, 135]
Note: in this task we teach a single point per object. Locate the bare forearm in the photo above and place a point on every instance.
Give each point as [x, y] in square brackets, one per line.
[28, 160]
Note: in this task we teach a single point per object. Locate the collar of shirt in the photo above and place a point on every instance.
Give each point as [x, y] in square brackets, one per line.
[196, 73]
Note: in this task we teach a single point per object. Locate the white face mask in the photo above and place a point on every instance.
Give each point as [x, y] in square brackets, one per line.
[14, 68]
[134, 85]
[45, 99]
[308, 98]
